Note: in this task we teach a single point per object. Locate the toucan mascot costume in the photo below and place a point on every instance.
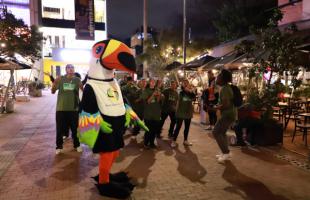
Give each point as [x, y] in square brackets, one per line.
[104, 116]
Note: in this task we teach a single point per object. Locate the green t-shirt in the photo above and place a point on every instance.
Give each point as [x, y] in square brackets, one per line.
[130, 91]
[185, 105]
[152, 110]
[68, 94]
[227, 93]
[170, 100]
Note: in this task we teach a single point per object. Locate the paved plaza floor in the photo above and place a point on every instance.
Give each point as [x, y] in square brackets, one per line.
[29, 168]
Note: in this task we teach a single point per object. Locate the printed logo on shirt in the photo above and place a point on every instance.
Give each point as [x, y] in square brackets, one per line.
[68, 86]
[186, 98]
[171, 98]
[112, 94]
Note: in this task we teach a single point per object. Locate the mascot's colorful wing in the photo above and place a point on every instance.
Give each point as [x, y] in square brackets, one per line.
[89, 127]
[132, 117]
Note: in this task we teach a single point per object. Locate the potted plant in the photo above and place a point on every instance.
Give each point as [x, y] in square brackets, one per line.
[35, 88]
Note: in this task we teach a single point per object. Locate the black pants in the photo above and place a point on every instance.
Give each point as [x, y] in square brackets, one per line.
[164, 116]
[179, 122]
[65, 119]
[252, 126]
[154, 128]
[212, 117]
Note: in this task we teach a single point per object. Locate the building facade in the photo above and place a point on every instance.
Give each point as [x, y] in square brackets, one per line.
[69, 28]
[61, 24]
[295, 11]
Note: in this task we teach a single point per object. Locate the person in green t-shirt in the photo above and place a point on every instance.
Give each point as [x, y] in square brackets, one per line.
[67, 107]
[228, 114]
[169, 106]
[152, 98]
[138, 107]
[184, 112]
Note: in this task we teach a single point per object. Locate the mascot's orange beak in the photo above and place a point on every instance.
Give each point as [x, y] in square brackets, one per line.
[113, 54]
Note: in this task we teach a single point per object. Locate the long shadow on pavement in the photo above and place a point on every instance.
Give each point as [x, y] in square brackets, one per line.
[252, 188]
[70, 168]
[189, 165]
[130, 149]
[140, 168]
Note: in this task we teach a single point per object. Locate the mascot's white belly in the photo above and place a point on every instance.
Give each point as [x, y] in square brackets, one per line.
[109, 97]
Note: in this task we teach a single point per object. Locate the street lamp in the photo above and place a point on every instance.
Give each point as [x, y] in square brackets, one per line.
[145, 67]
[3, 45]
[184, 31]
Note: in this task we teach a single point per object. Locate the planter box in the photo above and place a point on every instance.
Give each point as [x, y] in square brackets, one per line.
[270, 134]
[36, 93]
[22, 98]
[9, 107]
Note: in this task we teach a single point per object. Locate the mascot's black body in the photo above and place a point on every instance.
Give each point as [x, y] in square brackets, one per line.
[103, 114]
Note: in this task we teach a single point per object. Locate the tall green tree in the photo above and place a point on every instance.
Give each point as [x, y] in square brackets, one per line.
[281, 55]
[237, 17]
[17, 37]
[167, 48]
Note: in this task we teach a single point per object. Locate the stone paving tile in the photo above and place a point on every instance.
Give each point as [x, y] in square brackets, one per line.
[35, 172]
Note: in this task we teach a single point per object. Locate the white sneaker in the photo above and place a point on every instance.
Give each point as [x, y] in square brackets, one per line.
[58, 151]
[209, 128]
[64, 137]
[220, 155]
[223, 158]
[173, 144]
[79, 149]
[186, 143]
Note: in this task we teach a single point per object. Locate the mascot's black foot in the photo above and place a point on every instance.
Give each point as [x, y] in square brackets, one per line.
[114, 190]
[127, 185]
[117, 177]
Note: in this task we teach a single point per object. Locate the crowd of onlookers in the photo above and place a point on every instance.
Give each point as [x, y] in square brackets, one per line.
[155, 101]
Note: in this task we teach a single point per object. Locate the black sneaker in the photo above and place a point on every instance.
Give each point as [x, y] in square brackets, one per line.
[239, 144]
[153, 146]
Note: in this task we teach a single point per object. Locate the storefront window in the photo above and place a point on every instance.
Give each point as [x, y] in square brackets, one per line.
[58, 9]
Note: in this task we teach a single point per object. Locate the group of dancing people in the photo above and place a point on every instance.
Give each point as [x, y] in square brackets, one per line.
[154, 103]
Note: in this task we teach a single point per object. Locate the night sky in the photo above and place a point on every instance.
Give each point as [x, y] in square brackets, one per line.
[125, 16]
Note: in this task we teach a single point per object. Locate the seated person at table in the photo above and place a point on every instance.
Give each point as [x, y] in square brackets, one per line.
[248, 119]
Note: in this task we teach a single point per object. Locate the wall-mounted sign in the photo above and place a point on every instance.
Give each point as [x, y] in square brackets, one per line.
[84, 20]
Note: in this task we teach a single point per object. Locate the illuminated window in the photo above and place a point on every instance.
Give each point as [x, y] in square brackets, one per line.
[100, 9]
[58, 9]
[17, 1]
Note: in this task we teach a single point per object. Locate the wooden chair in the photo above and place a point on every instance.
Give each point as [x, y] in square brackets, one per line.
[302, 125]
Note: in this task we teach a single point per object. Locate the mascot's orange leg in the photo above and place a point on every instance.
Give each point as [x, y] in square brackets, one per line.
[105, 164]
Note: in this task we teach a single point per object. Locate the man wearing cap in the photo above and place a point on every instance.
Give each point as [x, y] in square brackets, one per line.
[67, 107]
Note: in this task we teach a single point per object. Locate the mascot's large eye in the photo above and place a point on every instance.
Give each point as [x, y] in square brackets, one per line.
[98, 50]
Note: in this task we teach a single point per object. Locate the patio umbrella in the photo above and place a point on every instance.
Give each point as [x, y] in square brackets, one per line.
[218, 63]
[11, 63]
[198, 62]
[173, 65]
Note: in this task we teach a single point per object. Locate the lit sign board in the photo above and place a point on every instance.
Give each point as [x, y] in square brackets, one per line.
[84, 19]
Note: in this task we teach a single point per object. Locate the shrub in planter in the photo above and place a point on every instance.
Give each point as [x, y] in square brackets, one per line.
[35, 88]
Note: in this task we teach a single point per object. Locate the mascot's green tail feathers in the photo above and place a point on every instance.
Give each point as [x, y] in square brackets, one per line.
[132, 117]
[90, 124]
